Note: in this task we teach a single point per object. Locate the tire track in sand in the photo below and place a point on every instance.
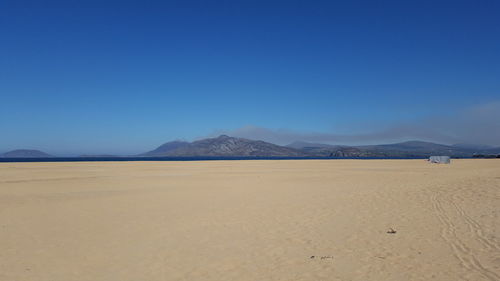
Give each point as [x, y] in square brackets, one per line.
[460, 249]
[475, 228]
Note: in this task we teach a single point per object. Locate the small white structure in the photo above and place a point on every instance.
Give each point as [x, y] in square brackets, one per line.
[440, 159]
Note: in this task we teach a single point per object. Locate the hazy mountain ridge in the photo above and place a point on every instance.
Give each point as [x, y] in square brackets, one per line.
[403, 149]
[230, 146]
[25, 153]
[227, 146]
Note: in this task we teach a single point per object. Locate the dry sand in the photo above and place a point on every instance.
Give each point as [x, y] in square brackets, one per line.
[250, 220]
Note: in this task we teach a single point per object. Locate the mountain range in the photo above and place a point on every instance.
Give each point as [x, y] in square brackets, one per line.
[25, 153]
[226, 146]
[402, 149]
[230, 146]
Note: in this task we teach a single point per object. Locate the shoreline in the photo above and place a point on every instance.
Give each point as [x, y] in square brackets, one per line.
[190, 159]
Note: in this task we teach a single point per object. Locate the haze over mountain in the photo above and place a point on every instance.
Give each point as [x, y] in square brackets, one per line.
[303, 144]
[473, 146]
[25, 153]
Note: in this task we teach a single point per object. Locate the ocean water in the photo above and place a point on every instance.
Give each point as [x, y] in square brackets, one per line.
[206, 158]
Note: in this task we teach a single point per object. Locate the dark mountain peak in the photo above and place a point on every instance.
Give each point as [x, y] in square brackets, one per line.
[25, 153]
[225, 146]
[230, 146]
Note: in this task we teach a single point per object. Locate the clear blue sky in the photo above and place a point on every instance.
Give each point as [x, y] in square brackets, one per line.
[125, 76]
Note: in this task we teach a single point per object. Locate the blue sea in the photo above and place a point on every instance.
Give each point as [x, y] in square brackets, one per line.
[103, 159]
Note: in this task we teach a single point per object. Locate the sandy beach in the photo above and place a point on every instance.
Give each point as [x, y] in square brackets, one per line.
[250, 220]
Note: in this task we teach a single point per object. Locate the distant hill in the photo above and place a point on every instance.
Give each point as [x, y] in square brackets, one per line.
[402, 149]
[224, 146]
[414, 149]
[317, 149]
[234, 147]
[472, 146]
[25, 153]
[98, 156]
[166, 148]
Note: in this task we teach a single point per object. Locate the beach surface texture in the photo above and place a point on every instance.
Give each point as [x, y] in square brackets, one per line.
[250, 220]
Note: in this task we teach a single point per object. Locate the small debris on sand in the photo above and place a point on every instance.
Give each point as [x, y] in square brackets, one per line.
[391, 231]
[322, 257]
